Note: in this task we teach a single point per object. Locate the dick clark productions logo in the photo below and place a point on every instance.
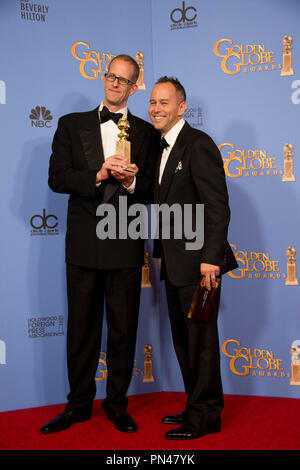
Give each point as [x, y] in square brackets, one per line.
[44, 224]
[184, 17]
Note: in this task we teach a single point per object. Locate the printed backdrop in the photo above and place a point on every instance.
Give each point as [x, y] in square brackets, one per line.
[240, 65]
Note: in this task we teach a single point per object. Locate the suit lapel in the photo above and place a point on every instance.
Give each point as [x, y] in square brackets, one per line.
[175, 156]
[91, 141]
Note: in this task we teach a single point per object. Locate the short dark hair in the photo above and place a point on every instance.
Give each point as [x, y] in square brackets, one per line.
[128, 58]
[179, 88]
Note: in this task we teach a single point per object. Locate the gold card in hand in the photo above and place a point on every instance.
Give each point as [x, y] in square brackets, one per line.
[122, 145]
[202, 301]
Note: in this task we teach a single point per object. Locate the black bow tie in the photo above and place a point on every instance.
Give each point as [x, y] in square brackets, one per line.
[106, 115]
[163, 143]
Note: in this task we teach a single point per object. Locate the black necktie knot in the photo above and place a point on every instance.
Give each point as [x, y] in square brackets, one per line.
[163, 143]
[106, 115]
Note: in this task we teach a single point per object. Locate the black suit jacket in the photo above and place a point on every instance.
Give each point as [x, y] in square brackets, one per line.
[77, 155]
[193, 175]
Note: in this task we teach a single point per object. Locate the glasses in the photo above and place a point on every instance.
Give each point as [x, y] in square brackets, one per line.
[111, 77]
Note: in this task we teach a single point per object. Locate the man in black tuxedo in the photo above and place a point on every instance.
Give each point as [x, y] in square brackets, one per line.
[85, 165]
[190, 171]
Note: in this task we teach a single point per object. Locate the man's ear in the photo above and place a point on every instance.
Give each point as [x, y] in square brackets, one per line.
[134, 89]
[182, 108]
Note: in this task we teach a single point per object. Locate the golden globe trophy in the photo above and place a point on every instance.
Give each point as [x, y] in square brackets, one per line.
[146, 271]
[287, 68]
[288, 174]
[295, 359]
[140, 81]
[291, 279]
[123, 145]
[148, 376]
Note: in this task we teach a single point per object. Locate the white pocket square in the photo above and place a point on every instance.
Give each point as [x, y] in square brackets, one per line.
[179, 167]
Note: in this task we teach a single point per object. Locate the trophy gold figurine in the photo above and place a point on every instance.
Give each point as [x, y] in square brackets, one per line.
[287, 68]
[140, 81]
[148, 376]
[291, 279]
[123, 145]
[288, 174]
[295, 359]
[146, 271]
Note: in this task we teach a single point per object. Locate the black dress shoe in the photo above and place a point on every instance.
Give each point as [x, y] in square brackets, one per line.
[64, 420]
[175, 419]
[124, 422]
[188, 431]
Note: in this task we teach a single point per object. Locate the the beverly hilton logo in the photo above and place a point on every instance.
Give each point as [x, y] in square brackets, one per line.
[257, 162]
[246, 58]
[256, 362]
[34, 12]
[40, 116]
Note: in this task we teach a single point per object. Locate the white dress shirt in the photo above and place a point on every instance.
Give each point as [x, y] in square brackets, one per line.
[109, 136]
[170, 138]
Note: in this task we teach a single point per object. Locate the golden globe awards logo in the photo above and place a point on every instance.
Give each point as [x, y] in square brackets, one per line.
[257, 362]
[257, 162]
[146, 374]
[246, 58]
[255, 265]
[247, 162]
[92, 63]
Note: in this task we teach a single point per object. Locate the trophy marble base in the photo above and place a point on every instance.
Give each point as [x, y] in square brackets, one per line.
[148, 379]
[292, 382]
[286, 73]
[292, 283]
[123, 148]
[288, 178]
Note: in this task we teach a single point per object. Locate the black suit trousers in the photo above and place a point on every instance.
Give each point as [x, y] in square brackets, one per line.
[196, 344]
[88, 289]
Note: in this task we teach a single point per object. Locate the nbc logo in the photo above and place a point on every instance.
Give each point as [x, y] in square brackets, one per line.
[40, 117]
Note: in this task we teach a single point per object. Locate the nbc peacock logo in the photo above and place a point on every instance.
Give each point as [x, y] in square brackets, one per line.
[40, 116]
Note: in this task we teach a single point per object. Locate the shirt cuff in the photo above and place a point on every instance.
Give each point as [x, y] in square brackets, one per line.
[131, 188]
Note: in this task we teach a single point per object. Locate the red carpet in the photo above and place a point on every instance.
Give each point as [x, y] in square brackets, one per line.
[249, 423]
